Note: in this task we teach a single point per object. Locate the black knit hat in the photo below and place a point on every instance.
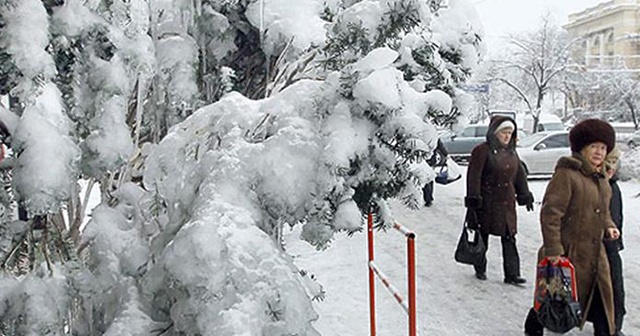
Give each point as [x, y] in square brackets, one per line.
[589, 131]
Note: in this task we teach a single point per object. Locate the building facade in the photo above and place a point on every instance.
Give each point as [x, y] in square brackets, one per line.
[608, 36]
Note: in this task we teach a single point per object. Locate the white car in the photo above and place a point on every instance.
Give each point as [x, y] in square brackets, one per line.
[540, 152]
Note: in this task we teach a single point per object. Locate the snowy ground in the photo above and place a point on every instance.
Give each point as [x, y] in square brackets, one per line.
[450, 300]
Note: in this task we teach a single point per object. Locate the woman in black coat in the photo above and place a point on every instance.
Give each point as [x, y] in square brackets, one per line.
[613, 247]
[495, 181]
[438, 159]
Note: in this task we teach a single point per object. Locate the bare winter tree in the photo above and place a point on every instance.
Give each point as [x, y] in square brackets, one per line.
[629, 90]
[611, 91]
[499, 96]
[534, 64]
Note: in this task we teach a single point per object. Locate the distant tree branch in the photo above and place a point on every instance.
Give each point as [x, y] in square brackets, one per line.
[515, 88]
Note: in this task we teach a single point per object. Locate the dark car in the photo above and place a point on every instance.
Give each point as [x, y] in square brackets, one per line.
[460, 145]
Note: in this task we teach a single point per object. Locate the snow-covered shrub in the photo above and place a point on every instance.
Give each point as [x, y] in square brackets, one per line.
[47, 165]
[198, 250]
[235, 172]
[629, 165]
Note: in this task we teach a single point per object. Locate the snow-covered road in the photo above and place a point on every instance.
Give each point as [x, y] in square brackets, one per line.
[450, 300]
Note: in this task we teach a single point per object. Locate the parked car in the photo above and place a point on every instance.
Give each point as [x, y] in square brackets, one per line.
[546, 123]
[459, 146]
[634, 139]
[540, 152]
[522, 134]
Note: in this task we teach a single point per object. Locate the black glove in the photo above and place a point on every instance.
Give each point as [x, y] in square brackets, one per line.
[526, 200]
[529, 206]
[473, 202]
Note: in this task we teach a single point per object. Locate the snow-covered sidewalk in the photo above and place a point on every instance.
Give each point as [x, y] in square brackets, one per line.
[451, 301]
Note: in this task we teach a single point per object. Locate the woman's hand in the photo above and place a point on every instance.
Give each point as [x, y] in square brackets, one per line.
[613, 233]
[529, 206]
[554, 259]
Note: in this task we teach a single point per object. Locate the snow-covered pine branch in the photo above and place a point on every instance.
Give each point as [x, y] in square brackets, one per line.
[195, 248]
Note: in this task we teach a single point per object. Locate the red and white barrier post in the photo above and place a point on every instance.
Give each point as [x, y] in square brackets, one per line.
[372, 284]
[410, 306]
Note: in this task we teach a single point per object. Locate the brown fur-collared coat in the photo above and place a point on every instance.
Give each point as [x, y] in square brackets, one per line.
[574, 218]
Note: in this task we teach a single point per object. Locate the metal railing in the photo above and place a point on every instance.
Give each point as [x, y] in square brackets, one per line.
[408, 305]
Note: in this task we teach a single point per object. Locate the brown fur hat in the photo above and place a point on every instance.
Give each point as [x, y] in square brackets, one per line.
[589, 131]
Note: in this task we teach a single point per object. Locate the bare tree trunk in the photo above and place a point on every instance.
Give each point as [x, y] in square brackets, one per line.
[536, 113]
[632, 109]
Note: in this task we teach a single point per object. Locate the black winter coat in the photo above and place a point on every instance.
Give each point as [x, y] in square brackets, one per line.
[615, 206]
[439, 156]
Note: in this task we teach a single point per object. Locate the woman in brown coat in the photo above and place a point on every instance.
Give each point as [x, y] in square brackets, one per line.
[575, 218]
[495, 181]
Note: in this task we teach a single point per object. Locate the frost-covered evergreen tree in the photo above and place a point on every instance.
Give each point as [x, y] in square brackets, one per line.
[48, 156]
[195, 248]
[99, 59]
[317, 154]
[43, 177]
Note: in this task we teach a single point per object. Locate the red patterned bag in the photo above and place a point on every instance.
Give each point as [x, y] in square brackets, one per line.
[556, 295]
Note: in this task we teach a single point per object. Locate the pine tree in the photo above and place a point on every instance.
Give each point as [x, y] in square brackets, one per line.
[196, 242]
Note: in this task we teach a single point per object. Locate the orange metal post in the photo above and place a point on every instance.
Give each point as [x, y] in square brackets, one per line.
[372, 287]
[410, 308]
[412, 283]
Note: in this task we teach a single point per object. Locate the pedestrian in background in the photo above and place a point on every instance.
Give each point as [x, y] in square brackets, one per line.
[437, 159]
[575, 218]
[613, 247]
[496, 180]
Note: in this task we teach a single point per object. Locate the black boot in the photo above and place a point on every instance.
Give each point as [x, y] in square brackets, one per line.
[515, 280]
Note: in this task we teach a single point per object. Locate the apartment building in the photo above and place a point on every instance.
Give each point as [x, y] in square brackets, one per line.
[609, 36]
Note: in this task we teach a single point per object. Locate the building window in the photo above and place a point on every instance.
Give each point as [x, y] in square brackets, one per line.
[610, 38]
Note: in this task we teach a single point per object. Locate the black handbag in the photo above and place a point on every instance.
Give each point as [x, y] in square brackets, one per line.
[559, 312]
[471, 248]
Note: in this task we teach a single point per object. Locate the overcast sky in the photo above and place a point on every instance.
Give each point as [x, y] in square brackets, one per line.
[503, 17]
